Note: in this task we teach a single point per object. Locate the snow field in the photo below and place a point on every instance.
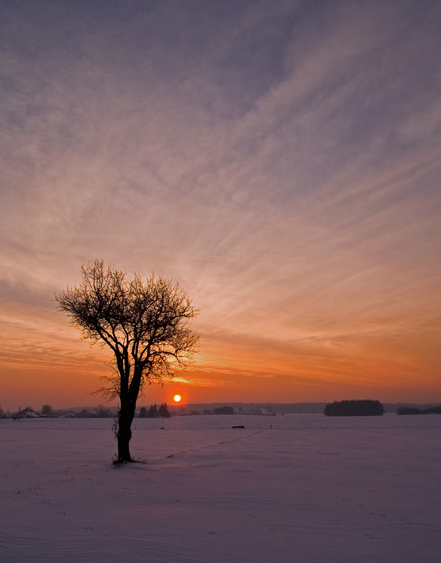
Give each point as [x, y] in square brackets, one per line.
[283, 489]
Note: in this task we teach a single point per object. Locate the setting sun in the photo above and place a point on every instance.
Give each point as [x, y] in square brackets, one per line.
[177, 398]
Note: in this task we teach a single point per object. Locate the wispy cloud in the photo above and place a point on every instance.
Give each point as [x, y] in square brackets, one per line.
[280, 160]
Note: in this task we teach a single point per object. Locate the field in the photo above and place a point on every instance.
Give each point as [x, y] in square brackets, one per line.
[293, 488]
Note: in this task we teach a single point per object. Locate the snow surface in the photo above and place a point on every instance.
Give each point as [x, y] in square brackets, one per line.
[293, 488]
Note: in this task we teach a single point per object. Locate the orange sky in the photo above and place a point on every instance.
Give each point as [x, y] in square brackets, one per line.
[43, 361]
[279, 160]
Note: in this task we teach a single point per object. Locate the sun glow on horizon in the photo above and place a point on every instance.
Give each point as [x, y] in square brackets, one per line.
[177, 398]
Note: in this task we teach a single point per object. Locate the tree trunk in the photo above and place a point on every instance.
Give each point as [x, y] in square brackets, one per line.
[128, 397]
[124, 435]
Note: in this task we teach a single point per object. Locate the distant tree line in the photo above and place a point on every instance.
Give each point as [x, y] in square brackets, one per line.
[337, 408]
[155, 411]
[414, 410]
[354, 408]
[223, 410]
[47, 411]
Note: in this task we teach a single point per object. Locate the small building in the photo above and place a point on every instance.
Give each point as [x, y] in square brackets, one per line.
[27, 413]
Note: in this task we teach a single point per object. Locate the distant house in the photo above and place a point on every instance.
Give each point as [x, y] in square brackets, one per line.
[86, 414]
[67, 414]
[26, 413]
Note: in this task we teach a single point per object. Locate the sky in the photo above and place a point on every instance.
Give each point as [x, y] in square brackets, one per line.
[280, 160]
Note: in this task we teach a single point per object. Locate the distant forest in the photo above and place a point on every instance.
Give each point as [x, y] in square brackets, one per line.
[354, 408]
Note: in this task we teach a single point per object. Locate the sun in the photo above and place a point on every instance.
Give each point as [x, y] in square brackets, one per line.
[177, 398]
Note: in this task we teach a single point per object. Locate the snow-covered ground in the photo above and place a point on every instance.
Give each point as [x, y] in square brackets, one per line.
[299, 488]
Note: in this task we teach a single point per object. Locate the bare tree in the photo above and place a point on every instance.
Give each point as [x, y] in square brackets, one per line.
[47, 410]
[144, 323]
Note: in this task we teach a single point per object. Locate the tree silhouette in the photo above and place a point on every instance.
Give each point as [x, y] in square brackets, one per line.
[354, 408]
[163, 411]
[143, 322]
